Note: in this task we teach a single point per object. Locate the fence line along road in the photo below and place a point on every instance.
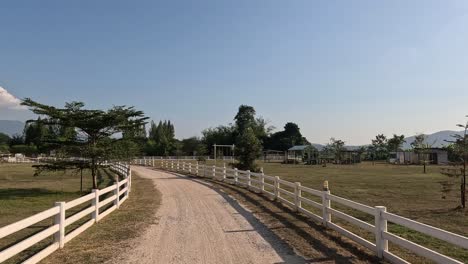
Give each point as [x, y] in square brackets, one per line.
[291, 194]
[97, 209]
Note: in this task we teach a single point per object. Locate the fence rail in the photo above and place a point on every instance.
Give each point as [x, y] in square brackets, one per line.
[293, 196]
[97, 210]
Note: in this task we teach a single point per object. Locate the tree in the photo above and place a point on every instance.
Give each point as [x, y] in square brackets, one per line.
[96, 138]
[193, 146]
[245, 118]
[380, 146]
[421, 147]
[395, 143]
[161, 140]
[283, 140]
[336, 148]
[460, 147]
[248, 146]
[221, 135]
[4, 139]
[27, 150]
[248, 149]
[16, 140]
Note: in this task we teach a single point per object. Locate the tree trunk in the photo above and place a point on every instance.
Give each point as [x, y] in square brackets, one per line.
[93, 174]
[463, 186]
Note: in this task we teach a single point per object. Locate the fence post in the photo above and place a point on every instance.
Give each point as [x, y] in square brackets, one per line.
[59, 219]
[224, 171]
[297, 195]
[190, 168]
[262, 180]
[172, 165]
[249, 182]
[214, 172]
[276, 187]
[196, 169]
[153, 161]
[178, 165]
[380, 227]
[183, 166]
[117, 194]
[95, 203]
[326, 204]
[129, 183]
[236, 178]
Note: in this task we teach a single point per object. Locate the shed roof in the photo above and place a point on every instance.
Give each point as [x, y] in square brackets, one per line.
[300, 147]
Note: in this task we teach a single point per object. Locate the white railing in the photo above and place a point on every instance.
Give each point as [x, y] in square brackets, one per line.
[97, 209]
[292, 194]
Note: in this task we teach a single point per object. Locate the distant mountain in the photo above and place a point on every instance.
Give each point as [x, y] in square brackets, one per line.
[11, 127]
[436, 140]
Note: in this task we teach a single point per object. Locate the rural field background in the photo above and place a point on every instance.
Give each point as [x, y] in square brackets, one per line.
[431, 198]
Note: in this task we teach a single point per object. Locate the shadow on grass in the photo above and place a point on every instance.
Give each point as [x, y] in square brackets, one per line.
[16, 193]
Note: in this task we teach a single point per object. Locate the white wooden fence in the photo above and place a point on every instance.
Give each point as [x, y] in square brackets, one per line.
[292, 194]
[120, 189]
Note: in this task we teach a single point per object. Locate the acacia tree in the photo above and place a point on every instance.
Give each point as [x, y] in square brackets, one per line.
[395, 142]
[96, 135]
[380, 146]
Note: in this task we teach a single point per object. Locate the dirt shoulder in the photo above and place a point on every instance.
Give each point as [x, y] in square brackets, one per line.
[116, 232]
[306, 237]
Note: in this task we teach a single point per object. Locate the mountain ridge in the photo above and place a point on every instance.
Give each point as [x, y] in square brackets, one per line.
[11, 127]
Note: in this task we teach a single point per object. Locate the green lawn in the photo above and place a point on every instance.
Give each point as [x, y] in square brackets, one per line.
[22, 194]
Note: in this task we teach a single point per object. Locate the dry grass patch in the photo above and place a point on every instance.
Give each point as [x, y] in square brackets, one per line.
[113, 234]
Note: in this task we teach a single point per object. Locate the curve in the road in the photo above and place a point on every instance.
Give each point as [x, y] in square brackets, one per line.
[197, 224]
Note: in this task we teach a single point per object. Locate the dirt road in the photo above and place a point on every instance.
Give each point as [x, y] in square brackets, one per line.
[197, 224]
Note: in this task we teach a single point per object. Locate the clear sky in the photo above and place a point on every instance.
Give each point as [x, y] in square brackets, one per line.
[344, 69]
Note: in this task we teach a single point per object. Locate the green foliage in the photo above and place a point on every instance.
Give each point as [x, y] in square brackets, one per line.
[335, 148]
[4, 148]
[16, 140]
[248, 149]
[221, 135]
[380, 147]
[283, 140]
[419, 141]
[245, 118]
[96, 131]
[27, 150]
[248, 145]
[161, 139]
[193, 146]
[4, 139]
[395, 143]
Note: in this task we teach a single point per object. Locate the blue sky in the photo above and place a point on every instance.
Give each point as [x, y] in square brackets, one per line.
[344, 69]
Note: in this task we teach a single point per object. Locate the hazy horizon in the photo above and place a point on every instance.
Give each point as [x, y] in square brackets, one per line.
[348, 70]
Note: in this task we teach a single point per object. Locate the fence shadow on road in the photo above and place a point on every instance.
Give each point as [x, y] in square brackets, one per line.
[276, 211]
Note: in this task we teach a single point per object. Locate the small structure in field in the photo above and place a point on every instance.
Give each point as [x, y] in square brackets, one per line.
[350, 157]
[437, 156]
[274, 155]
[303, 153]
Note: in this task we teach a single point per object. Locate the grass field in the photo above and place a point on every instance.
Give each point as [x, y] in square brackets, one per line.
[22, 194]
[431, 198]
